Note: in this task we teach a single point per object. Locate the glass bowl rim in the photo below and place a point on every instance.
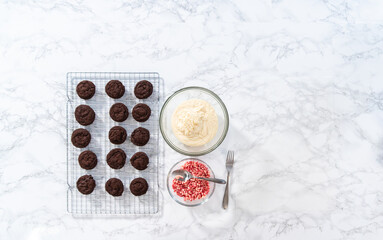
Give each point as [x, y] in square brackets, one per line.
[226, 123]
[182, 203]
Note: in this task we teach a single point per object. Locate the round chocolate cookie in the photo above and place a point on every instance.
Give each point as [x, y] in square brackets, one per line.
[117, 135]
[141, 112]
[139, 160]
[143, 89]
[119, 112]
[115, 89]
[81, 138]
[84, 115]
[140, 136]
[86, 184]
[139, 186]
[87, 160]
[116, 158]
[114, 187]
[85, 89]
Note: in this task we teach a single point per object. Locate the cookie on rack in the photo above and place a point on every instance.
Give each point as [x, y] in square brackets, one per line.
[143, 89]
[140, 136]
[119, 112]
[87, 160]
[84, 115]
[117, 135]
[80, 138]
[139, 186]
[86, 184]
[85, 89]
[114, 187]
[139, 161]
[116, 158]
[115, 89]
[141, 112]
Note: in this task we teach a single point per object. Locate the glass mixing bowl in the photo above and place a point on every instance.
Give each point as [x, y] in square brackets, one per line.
[179, 199]
[193, 93]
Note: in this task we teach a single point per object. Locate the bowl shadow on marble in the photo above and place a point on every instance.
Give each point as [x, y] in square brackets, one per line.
[379, 158]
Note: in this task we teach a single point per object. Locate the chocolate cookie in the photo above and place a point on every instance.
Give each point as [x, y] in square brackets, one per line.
[117, 135]
[139, 186]
[141, 112]
[115, 89]
[86, 184]
[87, 160]
[116, 158]
[140, 136]
[114, 187]
[139, 160]
[81, 138]
[84, 115]
[85, 89]
[143, 89]
[119, 112]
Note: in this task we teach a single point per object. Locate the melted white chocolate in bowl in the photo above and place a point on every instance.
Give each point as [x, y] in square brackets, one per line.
[194, 122]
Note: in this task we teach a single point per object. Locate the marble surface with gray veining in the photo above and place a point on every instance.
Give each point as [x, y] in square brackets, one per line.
[302, 81]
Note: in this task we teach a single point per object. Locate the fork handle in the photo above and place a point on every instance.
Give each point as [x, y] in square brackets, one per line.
[225, 201]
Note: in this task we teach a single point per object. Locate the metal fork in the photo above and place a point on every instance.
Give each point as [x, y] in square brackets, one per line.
[229, 167]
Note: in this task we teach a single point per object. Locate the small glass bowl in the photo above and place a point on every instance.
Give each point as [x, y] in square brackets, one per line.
[193, 93]
[181, 200]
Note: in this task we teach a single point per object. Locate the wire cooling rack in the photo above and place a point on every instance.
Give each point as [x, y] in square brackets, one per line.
[99, 201]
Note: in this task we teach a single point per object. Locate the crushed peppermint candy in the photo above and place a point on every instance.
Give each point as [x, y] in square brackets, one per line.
[193, 189]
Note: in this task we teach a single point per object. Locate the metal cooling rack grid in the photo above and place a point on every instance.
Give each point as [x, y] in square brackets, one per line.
[100, 202]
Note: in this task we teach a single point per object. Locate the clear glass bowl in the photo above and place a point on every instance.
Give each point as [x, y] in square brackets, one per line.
[181, 200]
[185, 94]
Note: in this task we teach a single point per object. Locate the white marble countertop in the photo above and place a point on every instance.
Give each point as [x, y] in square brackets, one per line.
[302, 80]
